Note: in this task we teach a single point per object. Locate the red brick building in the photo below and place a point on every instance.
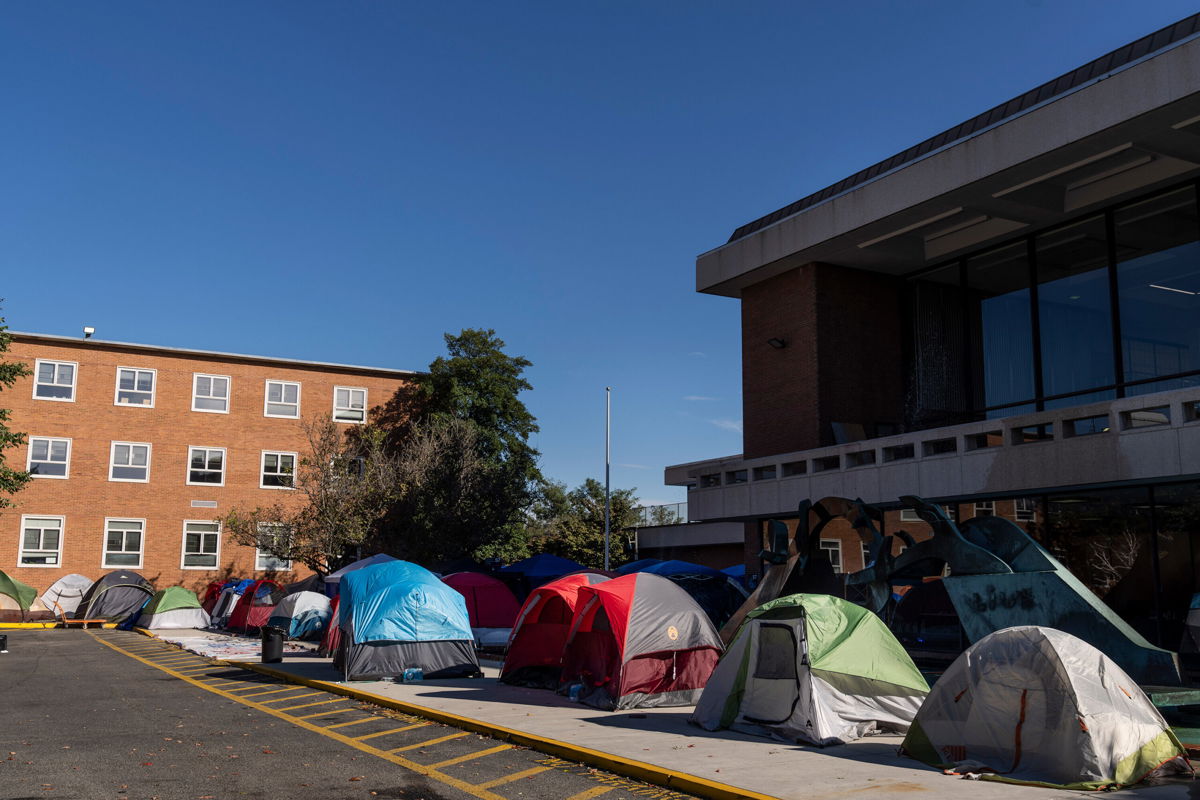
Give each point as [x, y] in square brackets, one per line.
[137, 452]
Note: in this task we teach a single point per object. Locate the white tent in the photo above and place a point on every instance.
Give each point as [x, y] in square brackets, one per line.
[815, 669]
[1036, 705]
[64, 594]
[303, 615]
[336, 578]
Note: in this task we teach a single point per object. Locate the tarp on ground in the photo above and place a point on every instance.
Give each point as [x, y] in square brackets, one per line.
[535, 647]
[815, 669]
[396, 615]
[64, 594]
[115, 597]
[1037, 705]
[303, 615]
[173, 607]
[638, 641]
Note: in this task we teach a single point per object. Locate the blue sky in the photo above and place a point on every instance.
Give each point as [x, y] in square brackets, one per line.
[348, 181]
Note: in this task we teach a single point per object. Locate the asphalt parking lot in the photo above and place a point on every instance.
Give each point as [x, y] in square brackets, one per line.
[108, 714]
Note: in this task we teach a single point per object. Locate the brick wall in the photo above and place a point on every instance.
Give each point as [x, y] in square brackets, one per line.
[93, 422]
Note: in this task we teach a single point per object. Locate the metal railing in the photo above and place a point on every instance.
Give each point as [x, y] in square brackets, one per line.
[666, 514]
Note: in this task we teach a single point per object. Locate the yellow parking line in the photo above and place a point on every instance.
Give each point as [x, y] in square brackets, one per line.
[297, 697]
[323, 713]
[438, 740]
[412, 766]
[351, 722]
[318, 703]
[270, 691]
[472, 756]
[393, 730]
[588, 794]
[516, 776]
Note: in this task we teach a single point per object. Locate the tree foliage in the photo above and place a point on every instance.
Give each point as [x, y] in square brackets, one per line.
[11, 480]
[571, 523]
[345, 483]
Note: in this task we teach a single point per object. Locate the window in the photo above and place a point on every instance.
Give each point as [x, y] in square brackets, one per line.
[985, 508]
[123, 542]
[1146, 417]
[41, 541]
[764, 473]
[833, 549]
[735, 476]
[206, 465]
[909, 515]
[201, 543]
[794, 468]
[282, 400]
[278, 470]
[827, 463]
[210, 393]
[135, 387]
[54, 380]
[349, 405]
[1086, 426]
[866, 555]
[899, 452]
[129, 461]
[939, 447]
[709, 481]
[264, 561]
[48, 458]
[1026, 509]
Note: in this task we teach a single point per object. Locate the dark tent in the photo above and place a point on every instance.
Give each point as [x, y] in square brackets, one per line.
[313, 583]
[718, 594]
[638, 641]
[534, 571]
[115, 597]
[489, 602]
[637, 566]
[535, 648]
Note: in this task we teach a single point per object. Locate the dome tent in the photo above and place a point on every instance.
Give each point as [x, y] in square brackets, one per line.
[64, 594]
[19, 602]
[639, 641]
[535, 648]
[254, 607]
[302, 615]
[397, 615]
[490, 604]
[333, 580]
[227, 600]
[812, 668]
[1037, 705]
[115, 597]
[173, 607]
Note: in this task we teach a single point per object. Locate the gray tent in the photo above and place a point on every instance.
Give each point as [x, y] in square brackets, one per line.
[115, 597]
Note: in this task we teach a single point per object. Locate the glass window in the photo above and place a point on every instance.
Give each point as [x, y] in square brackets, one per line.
[985, 508]
[278, 470]
[1002, 329]
[735, 476]
[764, 473]
[938, 393]
[123, 542]
[201, 543]
[269, 532]
[129, 461]
[135, 387]
[1025, 508]
[833, 549]
[709, 481]
[794, 468]
[1158, 282]
[349, 404]
[48, 458]
[206, 465]
[283, 399]
[54, 380]
[210, 393]
[41, 541]
[1073, 308]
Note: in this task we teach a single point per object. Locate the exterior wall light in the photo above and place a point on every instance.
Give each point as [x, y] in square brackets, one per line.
[777, 343]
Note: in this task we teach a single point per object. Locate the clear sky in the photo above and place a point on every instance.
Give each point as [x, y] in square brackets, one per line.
[346, 181]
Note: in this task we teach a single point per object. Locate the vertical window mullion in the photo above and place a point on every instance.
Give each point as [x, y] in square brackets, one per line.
[1114, 302]
[1035, 322]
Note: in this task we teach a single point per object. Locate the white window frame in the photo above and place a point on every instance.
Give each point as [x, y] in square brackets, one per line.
[37, 368]
[267, 399]
[104, 544]
[985, 508]
[196, 376]
[336, 407]
[909, 515]
[1025, 514]
[183, 553]
[187, 476]
[260, 556]
[112, 455]
[135, 370]
[262, 469]
[49, 439]
[866, 554]
[62, 534]
[839, 567]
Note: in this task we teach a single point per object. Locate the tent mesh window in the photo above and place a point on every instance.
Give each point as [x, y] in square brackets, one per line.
[776, 653]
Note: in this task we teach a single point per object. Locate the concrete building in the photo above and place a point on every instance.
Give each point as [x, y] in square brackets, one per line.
[137, 452]
[1004, 318]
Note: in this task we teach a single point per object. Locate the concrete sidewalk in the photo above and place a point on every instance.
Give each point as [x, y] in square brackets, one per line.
[659, 746]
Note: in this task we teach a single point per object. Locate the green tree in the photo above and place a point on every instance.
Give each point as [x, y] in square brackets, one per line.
[11, 480]
[468, 472]
[571, 523]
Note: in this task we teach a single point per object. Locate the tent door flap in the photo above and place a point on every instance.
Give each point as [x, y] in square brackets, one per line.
[773, 684]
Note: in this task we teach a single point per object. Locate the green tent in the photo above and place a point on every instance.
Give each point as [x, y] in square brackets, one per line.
[812, 668]
[171, 598]
[173, 607]
[19, 602]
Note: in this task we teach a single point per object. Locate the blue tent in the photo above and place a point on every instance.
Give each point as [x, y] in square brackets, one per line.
[638, 566]
[736, 571]
[397, 615]
[542, 568]
[668, 568]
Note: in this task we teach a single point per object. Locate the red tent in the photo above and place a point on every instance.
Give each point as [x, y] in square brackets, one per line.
[333, 632]
[639, 641]
[535, 647]
[212, 594]
[490, 604]
[254, 607]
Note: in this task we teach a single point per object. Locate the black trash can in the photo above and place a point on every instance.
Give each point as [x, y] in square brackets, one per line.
[272, 645]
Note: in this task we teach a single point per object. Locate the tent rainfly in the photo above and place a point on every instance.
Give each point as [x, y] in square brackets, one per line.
[173, 607]
[535, 648]
[302, 615]
[254, 607]
[64, 594]
[334, 579]
[638, 641]
[19, 602]
[814, 669]
[115, 597]
[1039, 706]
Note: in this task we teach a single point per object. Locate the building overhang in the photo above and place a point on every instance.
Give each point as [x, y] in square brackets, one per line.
[1115, 136]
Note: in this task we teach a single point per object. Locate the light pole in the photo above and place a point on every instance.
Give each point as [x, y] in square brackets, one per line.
[607, 470]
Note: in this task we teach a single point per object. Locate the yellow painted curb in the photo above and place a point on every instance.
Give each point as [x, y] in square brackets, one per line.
[639, 770]
[12, 626]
